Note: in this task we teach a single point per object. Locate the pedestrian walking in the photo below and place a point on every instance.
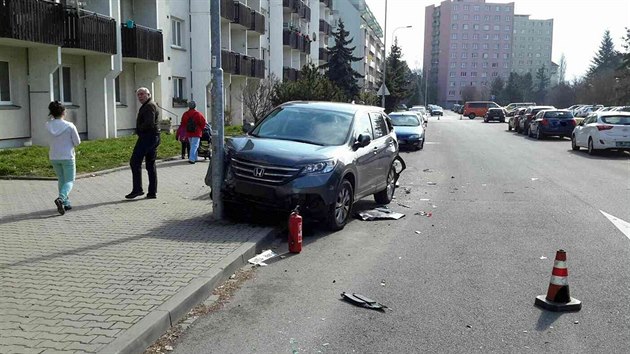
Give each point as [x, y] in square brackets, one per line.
[63, 138]
[194, 122]
[181, 136]
[146, 146]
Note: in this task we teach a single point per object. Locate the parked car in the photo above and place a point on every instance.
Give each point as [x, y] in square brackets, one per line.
[322, 156]
[409, 129]
[586, 110]
[513, 120]
[603, 131]
[474, 109]
[526, 118]
[455, 107]
[552, 123]
[423, 113]
[495, 114]
[437, 111]
[510, 109]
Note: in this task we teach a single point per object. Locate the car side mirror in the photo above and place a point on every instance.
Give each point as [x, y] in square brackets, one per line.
[363, 140]
[248, 127]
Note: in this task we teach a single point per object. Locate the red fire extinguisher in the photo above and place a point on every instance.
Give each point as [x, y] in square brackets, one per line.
[295, 231]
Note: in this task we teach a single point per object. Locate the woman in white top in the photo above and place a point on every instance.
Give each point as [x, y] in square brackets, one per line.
[64, 137]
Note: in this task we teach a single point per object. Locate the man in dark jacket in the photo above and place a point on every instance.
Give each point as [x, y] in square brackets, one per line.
[148, 141]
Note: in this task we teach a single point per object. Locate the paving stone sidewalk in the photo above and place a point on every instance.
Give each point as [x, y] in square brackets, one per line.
[93, 279]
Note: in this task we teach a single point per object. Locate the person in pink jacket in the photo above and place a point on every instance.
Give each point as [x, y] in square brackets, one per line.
[194, 122]
[63, 138]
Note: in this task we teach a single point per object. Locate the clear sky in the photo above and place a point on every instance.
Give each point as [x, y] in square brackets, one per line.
[578, 26]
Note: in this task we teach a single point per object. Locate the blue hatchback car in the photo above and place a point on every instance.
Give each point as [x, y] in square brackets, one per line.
[557, 122]
[408, 128]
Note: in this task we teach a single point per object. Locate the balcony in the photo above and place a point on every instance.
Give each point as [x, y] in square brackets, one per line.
[291, 5]
[32, 20]
[239, 64]
[325, 27]
[290, 74]
[228, 10]
[89, 31]
[324, 55]
[296, 40]
[258, 22]
[304, 11]
[242, 14]
[327, 3]
[229, 62]
[142, 43]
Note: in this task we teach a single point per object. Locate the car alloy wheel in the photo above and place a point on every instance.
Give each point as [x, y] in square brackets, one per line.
[539, 136]
[387, 195]
[340, 210]
[574, 144]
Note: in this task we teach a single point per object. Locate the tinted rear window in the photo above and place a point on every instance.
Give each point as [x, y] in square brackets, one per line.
[622, 120]
[559, 115]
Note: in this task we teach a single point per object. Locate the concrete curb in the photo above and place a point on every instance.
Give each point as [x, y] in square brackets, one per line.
[167, 160]
[137, 338]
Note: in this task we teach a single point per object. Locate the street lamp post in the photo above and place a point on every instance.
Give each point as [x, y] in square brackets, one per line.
[385, 50]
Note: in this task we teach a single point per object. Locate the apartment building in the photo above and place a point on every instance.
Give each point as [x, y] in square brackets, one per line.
[92, 55]
[366, 34]
[533, 41]
[467, 43]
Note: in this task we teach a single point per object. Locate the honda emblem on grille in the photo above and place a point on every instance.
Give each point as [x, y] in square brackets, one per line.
[259, 172]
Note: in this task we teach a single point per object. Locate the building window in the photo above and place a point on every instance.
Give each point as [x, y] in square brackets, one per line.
[451, 92]
[475, 46]
[466, 7]
[476, 8]
[176, 32]
[486, 18]
[496, 27]
[463, 73]
[495, 46]
[462, 83]
[465, 17]
[495, 55]
[455, 17]
[454, 36]
[506, 37]
[451, 74]
[476, 18]
[508, 28]
[453, 65]
[484, 65]
[495, 37]
[486, 27]
[451, 84]
[465, 26]
[505, 65]
[117, 89]
[506, 55]
[62, 85]
[495, 74]
[507, 18]
[178, 88]
[497, 18]
[465, 36]
[5, 88]
[456, 7]
[473, 65]
[475, 36]
[454, 26]
[474, 55]
[495, 65]
[486, 36]
[484, 55]
[484, 45]
[463, 65]
[473, 74]
[453, 45]
[507, 46]
[453, 55]
[484, 74]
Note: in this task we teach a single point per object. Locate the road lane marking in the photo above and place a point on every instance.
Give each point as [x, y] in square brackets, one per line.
[622, 225]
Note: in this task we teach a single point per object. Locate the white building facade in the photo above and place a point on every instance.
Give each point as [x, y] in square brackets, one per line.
[112, 47]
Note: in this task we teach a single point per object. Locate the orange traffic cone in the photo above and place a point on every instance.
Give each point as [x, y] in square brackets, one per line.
[558, 298]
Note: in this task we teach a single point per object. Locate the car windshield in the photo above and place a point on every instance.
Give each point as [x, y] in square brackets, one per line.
[307, 125]
[621, 120]
[404, 120]
[559, 115]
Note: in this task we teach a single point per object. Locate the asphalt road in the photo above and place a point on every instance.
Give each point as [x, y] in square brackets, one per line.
[501, 204]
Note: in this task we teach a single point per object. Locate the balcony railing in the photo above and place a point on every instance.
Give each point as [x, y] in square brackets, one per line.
[32, 20]
[229, 62]
[304, 11]
[227, 10]
[325, 27]
[327, 3]
[239, 64]
[242, 14]
[89, 31]
[258, 22]
[296, 40]
[142, 43]
[290, 74]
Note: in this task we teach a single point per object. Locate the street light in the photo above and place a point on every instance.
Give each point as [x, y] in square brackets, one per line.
[385, 51]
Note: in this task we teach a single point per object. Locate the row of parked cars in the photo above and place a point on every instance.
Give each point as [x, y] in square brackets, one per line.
[583, 110]
[600, 130]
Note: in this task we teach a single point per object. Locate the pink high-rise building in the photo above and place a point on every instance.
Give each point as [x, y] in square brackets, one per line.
[467, 44]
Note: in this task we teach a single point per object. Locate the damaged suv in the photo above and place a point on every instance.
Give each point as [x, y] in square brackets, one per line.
[321, 156]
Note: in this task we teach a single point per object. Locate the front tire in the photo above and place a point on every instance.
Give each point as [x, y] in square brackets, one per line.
[509, 128]
[574, 144]
[387, 195]
[339, 211]
[539, 135]
[471, 116]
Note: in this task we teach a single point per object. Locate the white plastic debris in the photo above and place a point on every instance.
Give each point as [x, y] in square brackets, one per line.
[534, 179]
[261, 258]
[543, 257]
[418, 232]
[168, 348]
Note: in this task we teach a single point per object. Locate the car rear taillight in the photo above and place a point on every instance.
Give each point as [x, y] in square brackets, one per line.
[544, 122]
[604, 127]
[572, 122]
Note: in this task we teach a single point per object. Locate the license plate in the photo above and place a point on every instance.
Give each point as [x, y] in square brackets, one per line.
[623, 143]
[402, 141]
